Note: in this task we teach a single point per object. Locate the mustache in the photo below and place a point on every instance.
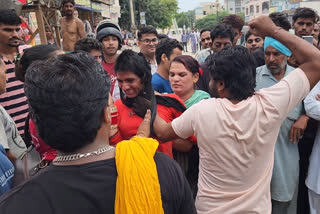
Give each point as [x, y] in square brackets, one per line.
[272, 64]
[14, 38]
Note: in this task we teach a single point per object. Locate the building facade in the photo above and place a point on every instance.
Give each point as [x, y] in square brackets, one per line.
[207, 8]
[234, 6]
[96, 10]
[255, 8]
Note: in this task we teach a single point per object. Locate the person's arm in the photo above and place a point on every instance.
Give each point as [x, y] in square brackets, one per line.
[312, 103]
[164, 130]
[182, 145]
[81, 31]
[297, 129]
[306, 54]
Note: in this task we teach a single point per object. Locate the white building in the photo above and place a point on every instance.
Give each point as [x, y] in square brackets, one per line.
[207, 8]
[234, 6]
[255, 8]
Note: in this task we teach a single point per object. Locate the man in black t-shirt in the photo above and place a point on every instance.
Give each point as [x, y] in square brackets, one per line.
[68, 98]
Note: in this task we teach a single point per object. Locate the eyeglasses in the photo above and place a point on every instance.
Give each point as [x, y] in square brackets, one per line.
[148, 41]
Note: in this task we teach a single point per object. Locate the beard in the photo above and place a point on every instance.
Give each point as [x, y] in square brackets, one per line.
[14, 42]
[274, 70]
[279, 67]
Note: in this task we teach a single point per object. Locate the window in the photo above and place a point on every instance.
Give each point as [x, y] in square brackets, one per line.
[231, 9]
[251, 10]
[265, 7]
[204, 13]
[247, 11]
[238, 10]
[257, 9]
[238, 3]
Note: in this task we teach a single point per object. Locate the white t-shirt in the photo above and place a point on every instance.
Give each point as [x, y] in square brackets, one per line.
[236, 145]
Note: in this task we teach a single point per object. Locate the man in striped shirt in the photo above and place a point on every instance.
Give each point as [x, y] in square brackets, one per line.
[13, 100]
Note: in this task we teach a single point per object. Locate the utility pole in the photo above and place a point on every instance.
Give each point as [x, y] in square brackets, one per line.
[133, 25]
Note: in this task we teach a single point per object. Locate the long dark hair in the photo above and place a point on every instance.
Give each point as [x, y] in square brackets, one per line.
[131, 61]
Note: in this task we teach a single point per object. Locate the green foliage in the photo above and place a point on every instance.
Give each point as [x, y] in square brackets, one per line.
[211, 20]
[124, 20]
[158, 13]
[241, 15]
[186, 19]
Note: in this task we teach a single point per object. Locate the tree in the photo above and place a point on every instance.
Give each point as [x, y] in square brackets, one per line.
[241, 15]
[124, 20]
[211, 20]
[186, 19]
[158, 13]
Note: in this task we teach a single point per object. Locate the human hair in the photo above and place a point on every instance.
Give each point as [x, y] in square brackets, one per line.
[38, 52]
[304, 12]
[204, 30]
[87, 45]
[131, 61]
[281, 20]
[67, 96]
[237, 68]
[166, 47]
[190, 63]
[223, 31]
[147, 30]
[9, 17]
[248, 34]
[162, 36]
[259, 57]
[234, 20]
[68, 1]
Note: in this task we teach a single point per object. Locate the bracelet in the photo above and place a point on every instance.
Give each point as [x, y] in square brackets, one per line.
[114, 117]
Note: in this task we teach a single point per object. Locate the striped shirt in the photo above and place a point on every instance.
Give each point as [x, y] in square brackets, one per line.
[14, 100]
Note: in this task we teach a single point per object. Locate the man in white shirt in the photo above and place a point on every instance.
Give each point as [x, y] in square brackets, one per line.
[237, 130]
[312, 107]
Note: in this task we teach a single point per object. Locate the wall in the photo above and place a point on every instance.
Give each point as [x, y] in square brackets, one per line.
[255, 8]
[235, 6]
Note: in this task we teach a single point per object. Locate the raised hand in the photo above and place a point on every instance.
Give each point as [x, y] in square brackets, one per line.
[144, 128]
[262, 26]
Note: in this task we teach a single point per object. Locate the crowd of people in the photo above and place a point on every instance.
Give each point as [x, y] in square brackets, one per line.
[232, 130]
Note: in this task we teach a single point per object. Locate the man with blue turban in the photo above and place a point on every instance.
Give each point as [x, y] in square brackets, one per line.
[285, 177]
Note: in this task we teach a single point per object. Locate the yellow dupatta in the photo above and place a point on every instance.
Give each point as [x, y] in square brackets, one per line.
[137, 188]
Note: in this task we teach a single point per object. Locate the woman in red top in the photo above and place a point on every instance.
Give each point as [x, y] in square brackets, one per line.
[134, 79]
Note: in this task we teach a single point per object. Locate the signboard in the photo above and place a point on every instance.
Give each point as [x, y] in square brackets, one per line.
[143, 18]
[96, 6]
[83, 2]
[105, 11]
[143, 22]
[272, 9]
[105, 1]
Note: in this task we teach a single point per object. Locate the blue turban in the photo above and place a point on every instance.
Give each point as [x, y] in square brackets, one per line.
[277, 45]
